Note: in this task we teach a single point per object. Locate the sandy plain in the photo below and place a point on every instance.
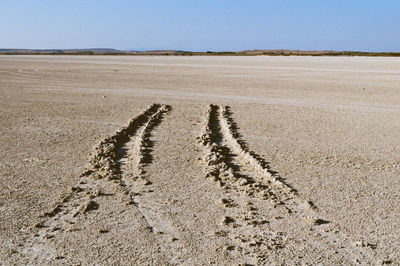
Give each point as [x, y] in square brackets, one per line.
[199, 160]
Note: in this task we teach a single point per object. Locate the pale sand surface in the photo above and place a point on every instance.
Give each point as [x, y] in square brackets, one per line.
[297, 160]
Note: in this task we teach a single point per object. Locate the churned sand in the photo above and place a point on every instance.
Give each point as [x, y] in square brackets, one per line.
[199, 160]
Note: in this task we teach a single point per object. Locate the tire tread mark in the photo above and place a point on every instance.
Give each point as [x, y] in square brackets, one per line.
[104, 169]
[224, 148]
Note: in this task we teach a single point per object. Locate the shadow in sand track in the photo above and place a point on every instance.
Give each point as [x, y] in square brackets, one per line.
[131, 131]
[222, 151]
[234, 130]
[147, 144]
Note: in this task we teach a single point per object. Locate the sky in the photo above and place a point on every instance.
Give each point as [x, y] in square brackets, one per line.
[215, 25]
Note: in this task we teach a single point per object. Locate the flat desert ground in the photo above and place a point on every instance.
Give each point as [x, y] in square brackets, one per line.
[199, 160]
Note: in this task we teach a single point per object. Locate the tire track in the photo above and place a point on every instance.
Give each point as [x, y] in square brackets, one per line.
[114, 172]
[111, 154]
[242, 223]
[249, 184]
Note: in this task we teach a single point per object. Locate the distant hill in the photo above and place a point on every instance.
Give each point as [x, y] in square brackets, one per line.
[63, 51]
[110, 51]
[91, 51]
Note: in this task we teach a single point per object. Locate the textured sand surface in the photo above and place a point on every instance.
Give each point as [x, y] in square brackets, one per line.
[199, 160]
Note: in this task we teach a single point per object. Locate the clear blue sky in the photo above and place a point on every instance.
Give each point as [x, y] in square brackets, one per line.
[367, 25]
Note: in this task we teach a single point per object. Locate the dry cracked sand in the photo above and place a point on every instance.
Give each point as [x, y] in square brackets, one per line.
[199, 160]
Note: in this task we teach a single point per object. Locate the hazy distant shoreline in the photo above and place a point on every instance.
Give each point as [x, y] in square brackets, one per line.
[109, 51]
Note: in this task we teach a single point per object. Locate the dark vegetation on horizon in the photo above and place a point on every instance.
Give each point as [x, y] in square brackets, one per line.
[107, 51]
